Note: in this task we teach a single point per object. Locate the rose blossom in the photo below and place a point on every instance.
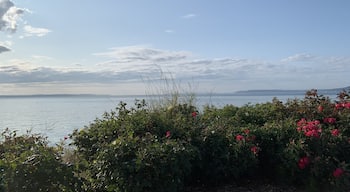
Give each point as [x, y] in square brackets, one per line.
[335, 132]
[338, 172]
[239, 137]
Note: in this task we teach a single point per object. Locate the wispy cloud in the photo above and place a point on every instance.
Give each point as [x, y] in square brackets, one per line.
[140, 58]
[34, 31]
[298, 58]
[169, 31]
[135, 63]
[183, 65]
[145, 60]
[9, 15]
[41, 57]
[16, 74]
[189, 16]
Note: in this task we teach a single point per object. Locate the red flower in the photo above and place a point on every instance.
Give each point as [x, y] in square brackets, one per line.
[246, 131]
[194, 114]
[239, 137]
[320, 108]
[338, 106]
[310, 128]
[313, 133]
[335, 132]
[316, 122]
[346, 105]
[301, 122]
[167, 134]
[303, 162]
[338, 172]
[329, 120]
[254, 149]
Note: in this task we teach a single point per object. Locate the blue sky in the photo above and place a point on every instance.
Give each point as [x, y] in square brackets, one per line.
[117, 47]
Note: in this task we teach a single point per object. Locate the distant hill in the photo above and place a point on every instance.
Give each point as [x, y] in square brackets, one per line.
[276, 92]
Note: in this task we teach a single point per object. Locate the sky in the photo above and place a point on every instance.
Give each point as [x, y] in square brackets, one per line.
[125, 47]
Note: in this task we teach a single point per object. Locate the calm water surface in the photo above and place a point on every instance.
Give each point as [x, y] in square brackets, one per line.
[56, 117]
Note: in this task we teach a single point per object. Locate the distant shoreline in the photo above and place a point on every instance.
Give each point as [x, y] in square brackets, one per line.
[271, 92]
[277, 92]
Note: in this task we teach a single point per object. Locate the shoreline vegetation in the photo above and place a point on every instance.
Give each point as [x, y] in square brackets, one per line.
[297, 145]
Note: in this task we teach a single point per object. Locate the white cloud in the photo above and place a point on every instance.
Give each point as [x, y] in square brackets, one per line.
[33, 31]
[6, 43]
[41, 57]
[301, 57]
[189, 16]
[9, 15]
[122, 65]
[141, 58]
[169, 31]
[309, 71]
[182, 64]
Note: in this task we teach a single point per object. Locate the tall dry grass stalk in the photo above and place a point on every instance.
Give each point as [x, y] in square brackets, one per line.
[166, 91]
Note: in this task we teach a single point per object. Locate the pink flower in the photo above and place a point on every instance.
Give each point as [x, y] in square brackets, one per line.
[303, 162]
[335, 132]
[346, 105]
[338, 106]
[338, 172]
[320, 108]
[246, 131]
[316, 122]
[254, 149]
[329, 120]
[313, 133]
[239, 137]
[167, 134]
[301, 122]
[194, 114]
[310, 128]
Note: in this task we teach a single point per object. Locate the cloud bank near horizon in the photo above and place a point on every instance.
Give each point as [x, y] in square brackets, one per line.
[139, 63]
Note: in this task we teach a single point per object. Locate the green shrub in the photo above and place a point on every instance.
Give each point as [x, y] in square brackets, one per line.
[226, 156]
[167, 148]
[143, 164]
[138, 149]
[27, 163]
[272, 139]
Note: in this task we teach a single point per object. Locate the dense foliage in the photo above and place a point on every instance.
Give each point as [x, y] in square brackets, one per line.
[27, 163]
[303, 143]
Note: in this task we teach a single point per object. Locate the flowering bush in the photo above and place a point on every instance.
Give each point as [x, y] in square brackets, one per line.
[304, 143]
[321, 151]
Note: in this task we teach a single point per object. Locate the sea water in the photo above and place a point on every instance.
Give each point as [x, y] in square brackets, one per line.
[57, 116]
